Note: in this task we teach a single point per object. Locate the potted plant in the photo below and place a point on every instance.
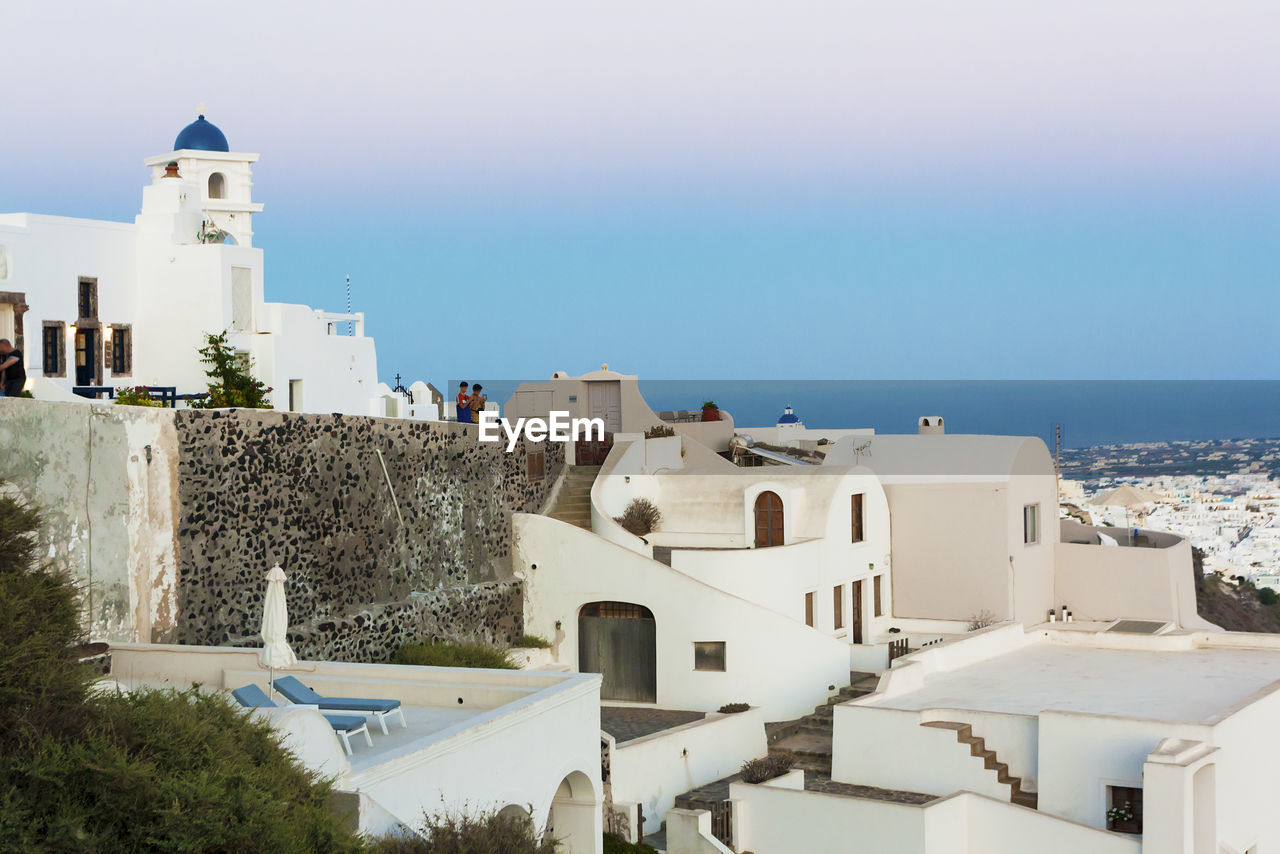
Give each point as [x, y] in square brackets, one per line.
[710, 412]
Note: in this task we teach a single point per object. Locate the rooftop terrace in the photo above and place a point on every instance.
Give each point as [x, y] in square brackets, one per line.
[1191, 685]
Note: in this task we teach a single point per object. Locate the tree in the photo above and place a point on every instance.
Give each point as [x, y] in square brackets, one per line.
[232, 383]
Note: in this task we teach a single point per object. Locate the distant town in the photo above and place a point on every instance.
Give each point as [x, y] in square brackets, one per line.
[1222, 495]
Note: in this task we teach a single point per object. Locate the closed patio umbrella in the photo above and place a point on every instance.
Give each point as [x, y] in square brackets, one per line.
[276, 651]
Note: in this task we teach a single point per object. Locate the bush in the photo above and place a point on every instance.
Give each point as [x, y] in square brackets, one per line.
[488, 832]
[1267, 596]
[136, 396]
[980, 620]
[462, 654]
[149, 770]
[709, 404]
[773, 765]
[232, 381]
[531, 642]
[733, 708]
[640, 517]
[614, 844]
[662, 431]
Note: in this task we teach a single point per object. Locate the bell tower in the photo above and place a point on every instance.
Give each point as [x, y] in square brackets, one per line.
[223, 177]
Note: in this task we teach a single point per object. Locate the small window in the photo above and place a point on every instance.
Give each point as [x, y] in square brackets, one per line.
[54, 355]
[708, 655]
[536, 464]
[87, 299]
[856, 521]
[1124, 809]
[295, 395]
[1031, 524]
[121, 350]
[837, 606]
[879, 602]
[808, 609]
[217, 185]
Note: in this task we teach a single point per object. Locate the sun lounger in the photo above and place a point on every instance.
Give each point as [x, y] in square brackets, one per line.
[253, 697]
[293, 688]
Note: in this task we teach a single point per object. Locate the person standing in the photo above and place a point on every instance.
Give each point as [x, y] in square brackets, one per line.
[462, 404]
[13, 372]
[478, 400]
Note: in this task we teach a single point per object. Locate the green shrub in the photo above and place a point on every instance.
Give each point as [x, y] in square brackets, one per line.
[531, 642]
[1267, 596]
[733, 708]
[614, 844]
[488, 832]
[773, 765]
[148, 770]
[136, 396]
[640, 517]
[462, 654]
[662, 431]
[709, 404]
[232, 383]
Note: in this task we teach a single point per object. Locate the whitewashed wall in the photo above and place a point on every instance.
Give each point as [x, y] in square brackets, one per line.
[575, 567]
[654, 769]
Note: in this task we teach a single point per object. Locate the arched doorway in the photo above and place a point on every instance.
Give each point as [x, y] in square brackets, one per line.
[768, 520]
[619, 641]
[575, 817]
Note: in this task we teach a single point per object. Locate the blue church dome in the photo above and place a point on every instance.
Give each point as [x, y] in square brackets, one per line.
[788, 417]
[201, 135]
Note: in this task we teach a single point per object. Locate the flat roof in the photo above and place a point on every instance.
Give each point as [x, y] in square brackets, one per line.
[424, 724]
[1186, 686]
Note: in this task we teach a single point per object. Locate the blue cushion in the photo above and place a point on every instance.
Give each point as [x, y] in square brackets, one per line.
[293, 688]
[253, 697]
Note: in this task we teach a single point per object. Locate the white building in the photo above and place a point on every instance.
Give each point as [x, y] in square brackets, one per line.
[93, 303]
[474, 739]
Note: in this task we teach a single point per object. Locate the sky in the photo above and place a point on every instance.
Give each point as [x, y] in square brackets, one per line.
[991, 189]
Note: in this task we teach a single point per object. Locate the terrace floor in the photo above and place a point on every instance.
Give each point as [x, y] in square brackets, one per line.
[425, 725]
[1189, 686]
[627, 723]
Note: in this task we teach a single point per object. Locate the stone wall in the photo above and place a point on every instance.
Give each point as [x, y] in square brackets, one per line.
[370, 553]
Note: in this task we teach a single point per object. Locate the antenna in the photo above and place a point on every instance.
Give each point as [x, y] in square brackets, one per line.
[351, 326]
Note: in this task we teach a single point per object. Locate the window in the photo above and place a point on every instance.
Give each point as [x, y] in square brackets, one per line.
[87, 299]
[536, 463]
[808, 609]
[856, 520]
[837, 606]
[708, 655]
[879, 603]
[217, 185]
[295, 395]
[620, 610]
[1124, 809]
[54, 349]
[1031, 524]
[121, 350]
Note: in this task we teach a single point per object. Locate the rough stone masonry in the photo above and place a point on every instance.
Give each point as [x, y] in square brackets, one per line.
[389, 530]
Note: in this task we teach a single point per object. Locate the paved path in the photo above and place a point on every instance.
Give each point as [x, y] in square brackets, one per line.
[626, 723]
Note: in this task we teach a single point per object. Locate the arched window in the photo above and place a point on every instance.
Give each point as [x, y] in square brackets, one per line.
[768, 520]
[217, 185]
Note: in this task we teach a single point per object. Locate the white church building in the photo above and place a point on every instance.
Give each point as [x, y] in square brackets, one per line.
[95, 304]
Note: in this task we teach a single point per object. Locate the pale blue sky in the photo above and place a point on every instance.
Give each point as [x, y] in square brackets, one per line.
[990, 189]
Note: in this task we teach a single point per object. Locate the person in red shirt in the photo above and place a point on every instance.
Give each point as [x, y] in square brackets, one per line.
[463, 401]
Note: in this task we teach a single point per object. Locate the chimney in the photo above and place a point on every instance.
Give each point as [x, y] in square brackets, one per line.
[930, 425]
[171, 170]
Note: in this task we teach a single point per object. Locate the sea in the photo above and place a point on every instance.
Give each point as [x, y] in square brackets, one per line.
[1084, 413]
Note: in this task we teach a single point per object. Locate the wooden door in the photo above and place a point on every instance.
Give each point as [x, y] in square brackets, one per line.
[86, 357]
[855, 615]
[604, 401]
[769, 530]
[623, 649]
